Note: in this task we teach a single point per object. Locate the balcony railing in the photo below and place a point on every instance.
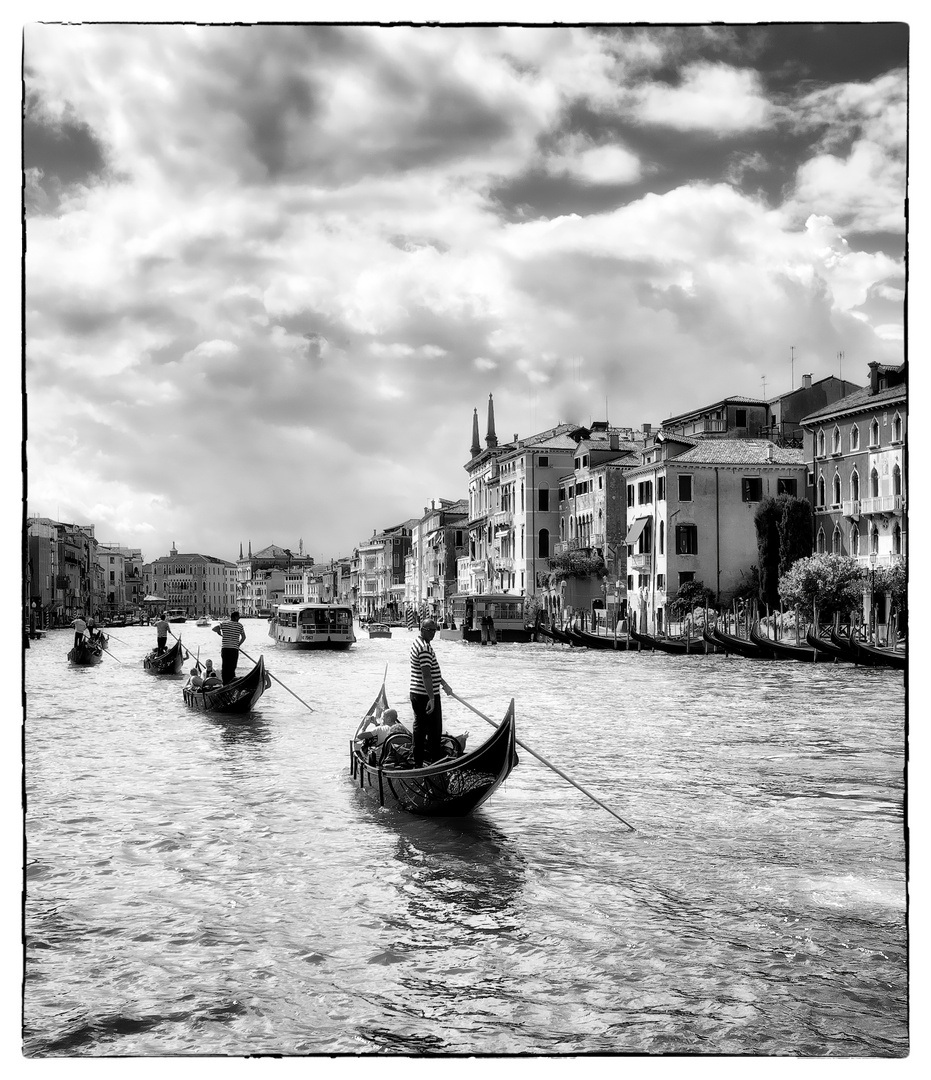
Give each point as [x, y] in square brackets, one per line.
[878, 561]
[640, 561]
[852, 508]
[883, 504]
[504, 562]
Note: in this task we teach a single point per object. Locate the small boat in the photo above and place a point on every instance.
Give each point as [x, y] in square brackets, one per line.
[784, 650]
[599, 641]
[85, 654]
[732, 643]
[827, 646]
[379, 630]
[169, 662]
[563, 637]
[203, 622]
[176, 615]
[877, 655]
[239, 696]
[451, 787]
[676, 646]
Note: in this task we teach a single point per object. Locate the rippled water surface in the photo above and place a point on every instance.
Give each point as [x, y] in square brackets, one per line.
[206, 886]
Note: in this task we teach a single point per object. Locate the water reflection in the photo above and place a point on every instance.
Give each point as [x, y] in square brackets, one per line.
[236, 731]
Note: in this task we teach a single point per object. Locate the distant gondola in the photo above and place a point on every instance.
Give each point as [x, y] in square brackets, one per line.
[732, 643]
[169, 662]
[562, 637]
[239, 696]
[783, 650]
[85, 654]
[599, 641]
[451, 787]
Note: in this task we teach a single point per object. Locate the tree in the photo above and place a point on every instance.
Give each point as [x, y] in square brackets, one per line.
[689, 595]
[832, 583]
[766, 519]
[892, 580]
[576, 564]
[749, 587]
[795, 532]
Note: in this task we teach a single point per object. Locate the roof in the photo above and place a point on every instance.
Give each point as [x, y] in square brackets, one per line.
[817, 382]
[859, 402]
[734, 399]
[754, 452]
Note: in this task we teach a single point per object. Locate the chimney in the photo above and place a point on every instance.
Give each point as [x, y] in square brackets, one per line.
[491, 439]
[769, 452]
[476, 448]
[806, 382]
[874, 376]
[515, 436]
[647, 428]
[613, 441]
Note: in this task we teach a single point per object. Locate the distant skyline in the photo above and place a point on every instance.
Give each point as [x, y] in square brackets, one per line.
[271, 271]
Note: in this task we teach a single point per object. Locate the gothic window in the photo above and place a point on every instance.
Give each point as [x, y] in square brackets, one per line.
[854, 438]
[821, 491]
[874, 540]
[836, 541]
[836, 489]
[854, 540]
[820, 543]
[855, 485]
[897, 428]
[874, 433]
[820, 444]
[874, 484]
[897, 539]
[544, 548]
[835, 440]
[896, 480]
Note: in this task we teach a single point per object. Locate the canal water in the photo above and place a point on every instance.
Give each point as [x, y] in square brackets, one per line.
[206, 886]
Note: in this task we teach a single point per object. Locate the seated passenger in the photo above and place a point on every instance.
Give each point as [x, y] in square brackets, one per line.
[388, 725]
[194, 680]
[211, 679]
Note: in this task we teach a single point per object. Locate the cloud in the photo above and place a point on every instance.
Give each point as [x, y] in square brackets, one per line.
[606, 164]
[710, 97]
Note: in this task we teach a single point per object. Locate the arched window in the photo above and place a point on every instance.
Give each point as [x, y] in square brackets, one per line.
[835, 440]
[855, 485]
[897, 539]
[820, 444]
[897, 428]
[836, 541]
[874, 433]
[821, 491]
[874, 484]
[874, 540]
[854, 438]
[544, 547]
[836, 486]
[854, 540]
[572, 528]
[820, 543]
[662, 537]
[896, 480]
[562, 528]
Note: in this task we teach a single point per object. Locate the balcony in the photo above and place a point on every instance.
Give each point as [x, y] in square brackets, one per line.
[504, 562]
[882, 504]
[880, 561]
[640, 562]
[852, 509]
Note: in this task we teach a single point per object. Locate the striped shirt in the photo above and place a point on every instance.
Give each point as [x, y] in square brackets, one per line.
[422, 655]
[231, 634]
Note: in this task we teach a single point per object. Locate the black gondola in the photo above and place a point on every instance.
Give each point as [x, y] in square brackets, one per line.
[169, 662]
[85, 654]
[239, 696]
[825, 645]
[599, 641]
[846, 646]
[731, 643]
[563, 637]
[877, 655]
[676, 646]
[451, 787]
[784, 650]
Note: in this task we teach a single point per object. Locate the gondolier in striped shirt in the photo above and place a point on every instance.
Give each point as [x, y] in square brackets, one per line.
[426, 682]
[232, 636]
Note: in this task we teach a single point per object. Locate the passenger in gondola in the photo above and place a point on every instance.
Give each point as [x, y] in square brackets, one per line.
[195, 681]
[389, 724]
[212, 680]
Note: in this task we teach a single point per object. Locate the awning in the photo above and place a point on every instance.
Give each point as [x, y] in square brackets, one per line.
[154, 600]
[633, 533]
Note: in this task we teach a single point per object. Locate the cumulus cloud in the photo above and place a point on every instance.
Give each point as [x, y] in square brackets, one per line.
[710, 97]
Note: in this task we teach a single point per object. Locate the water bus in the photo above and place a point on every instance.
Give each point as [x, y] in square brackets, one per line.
[489, 618]
[312, 626]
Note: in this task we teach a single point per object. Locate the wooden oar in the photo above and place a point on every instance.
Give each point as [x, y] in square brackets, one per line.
[549, 764]
[280, 683]
[115, 638]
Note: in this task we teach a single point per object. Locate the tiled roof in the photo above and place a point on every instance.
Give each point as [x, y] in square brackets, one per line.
[678, 438]
[861, 399]
[742, 452]
[737, 399]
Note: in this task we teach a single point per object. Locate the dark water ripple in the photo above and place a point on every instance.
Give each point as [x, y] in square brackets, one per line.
[204, 886]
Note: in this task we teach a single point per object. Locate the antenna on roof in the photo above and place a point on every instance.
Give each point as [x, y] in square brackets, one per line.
[764, 387]
[792, 365]
[840, 366]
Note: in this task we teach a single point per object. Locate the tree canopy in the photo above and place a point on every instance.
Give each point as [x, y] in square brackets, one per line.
[832, 583]
[577, 564]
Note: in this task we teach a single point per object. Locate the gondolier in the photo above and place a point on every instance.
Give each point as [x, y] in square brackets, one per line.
[232, 635]
[426, 682]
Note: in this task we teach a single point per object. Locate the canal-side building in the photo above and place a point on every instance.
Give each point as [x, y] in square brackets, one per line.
[690, 515]
[734, 417]
[438, 541]
[123, 586]
[192, 583]
[260, 577]
[786, 411]
[380, 565]
[62, 576]
[855, 448]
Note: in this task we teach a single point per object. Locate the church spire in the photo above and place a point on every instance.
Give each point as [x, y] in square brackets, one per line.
[250, 549]
[491, 439]
[240, 549]
[476, 447]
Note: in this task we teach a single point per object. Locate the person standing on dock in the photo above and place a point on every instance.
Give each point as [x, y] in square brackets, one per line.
[161, 634]
[232, 635]
[426, 682]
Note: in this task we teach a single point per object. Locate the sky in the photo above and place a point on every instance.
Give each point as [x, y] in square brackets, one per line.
[271, 270]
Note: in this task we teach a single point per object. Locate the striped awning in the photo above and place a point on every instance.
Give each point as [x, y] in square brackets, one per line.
[633, 533]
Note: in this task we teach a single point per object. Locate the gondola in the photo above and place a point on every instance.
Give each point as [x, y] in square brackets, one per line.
[562, 637]
[783, 650]
[676, 646]
[170, 662]
[846, 646]
[379, 630]
[877, 655]
[239, 696]
[599, 641]
[827, 646]
[731, 643]
[451, 787]
[85, 654]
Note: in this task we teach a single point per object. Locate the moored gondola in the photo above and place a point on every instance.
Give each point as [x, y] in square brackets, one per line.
[784, 650]
[599, 641]
[827, 646]
[450, 787]
[846, 646]
[85, 654]
[742, 646]
[877, 655]
[675, 646]
[563, 637]
[169, 662]
[239, 696]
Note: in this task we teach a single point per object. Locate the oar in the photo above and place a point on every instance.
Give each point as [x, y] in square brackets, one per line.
[280, 683]
[120, 640]
[549, 764]
[107, 651]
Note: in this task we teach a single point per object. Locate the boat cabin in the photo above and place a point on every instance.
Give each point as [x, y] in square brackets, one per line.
[312, 626]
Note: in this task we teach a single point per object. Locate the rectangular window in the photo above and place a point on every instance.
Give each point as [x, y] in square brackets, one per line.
[685, 489]
[740, 417]
[786, 486]
[630, 494]
[661, 582]
[562, 494]
[544, 503]
[543, 461]
[645, 491]
[686, 575]
[630, 582]
[686, 540]
[751, 488]
[601, 483]
[661, 487]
